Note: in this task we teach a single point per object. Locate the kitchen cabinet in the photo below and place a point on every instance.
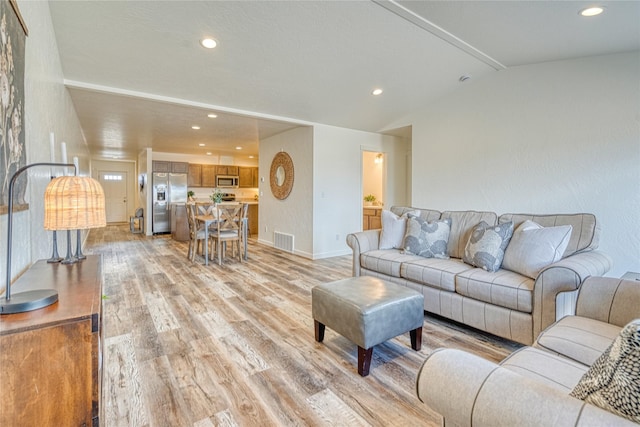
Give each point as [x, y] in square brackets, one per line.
[194, 176]
[227, 170]
[248, 177]
[161, 166]
[209, 175]
[252, 220]
[173, 167]
[179, 167]
[371, 218]
[51, 357]
[179, 223]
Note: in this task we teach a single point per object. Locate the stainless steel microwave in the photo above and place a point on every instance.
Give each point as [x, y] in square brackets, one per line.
[227, 181]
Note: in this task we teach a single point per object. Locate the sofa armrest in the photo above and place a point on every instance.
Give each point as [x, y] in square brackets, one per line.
[360, 243]
[565, 275]
[468, 390]
[610, 300]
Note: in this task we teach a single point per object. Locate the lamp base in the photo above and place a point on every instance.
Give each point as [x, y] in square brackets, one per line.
[28, 301]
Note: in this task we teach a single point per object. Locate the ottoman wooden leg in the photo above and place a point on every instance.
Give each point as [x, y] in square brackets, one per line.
[319, 330]
[364, 360]
[416, 338]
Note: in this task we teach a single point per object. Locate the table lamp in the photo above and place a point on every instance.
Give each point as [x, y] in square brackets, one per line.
[71, 202]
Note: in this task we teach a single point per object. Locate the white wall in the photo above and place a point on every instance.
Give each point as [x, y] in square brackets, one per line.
[48, 108]
[337, 183]
[293, 215]
[144, 196]
[556, 137]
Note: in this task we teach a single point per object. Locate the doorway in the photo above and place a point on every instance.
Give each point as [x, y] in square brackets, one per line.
[115, 184]
[373, 172]
[373, 183]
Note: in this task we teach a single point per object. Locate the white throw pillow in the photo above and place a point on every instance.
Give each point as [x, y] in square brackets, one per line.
[533, 247]
[393, 229]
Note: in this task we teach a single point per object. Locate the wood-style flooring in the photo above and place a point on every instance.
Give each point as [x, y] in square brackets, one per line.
[192, 345]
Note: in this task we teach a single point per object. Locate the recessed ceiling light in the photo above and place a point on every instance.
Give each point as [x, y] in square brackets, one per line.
[238, 148]
[208, 153]
[201, 145]
[194, 127]
[592, 11]
[212, 116]
[251, 157]
[376, 92]
[209, 43]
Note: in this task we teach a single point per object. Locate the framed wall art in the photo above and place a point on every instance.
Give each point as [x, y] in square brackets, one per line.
[13, 33]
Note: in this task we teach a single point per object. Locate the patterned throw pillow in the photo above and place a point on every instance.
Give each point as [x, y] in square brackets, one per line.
[613, 381]
[427, 239]
[486, 245]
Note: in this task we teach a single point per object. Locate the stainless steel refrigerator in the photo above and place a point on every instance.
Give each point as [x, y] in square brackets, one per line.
[168, 188]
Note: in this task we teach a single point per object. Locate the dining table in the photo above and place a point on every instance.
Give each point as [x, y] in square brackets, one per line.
[207, 221]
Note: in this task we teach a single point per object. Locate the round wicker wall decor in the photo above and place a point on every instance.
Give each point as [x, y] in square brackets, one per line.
[281, 175]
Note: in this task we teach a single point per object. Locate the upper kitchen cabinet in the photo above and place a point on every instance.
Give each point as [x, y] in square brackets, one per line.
[173, 167]
[194, 177]
[161, 166]
[227, 170]
[179, 167]
[248, 177]
[209, 175]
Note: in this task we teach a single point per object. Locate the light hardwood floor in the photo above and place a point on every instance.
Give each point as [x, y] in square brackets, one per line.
[192, 345]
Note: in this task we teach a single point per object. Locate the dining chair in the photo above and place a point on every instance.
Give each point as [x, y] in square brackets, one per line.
[229, 229]
[196, 233]
[205, 208]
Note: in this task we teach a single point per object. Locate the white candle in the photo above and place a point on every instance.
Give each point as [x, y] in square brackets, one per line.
[75, 162]
[63, 147]
[52, 143]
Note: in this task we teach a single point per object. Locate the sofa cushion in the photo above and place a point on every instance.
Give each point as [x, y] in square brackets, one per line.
[393, 229]
[427, 239]
[385, 261]
[426, 214]
[462, 223]
[584, 237]
[503, 288]
[533, 247]
[486, 245]
[578, 338]
[434, 272]
[538, 365]
[613, 381]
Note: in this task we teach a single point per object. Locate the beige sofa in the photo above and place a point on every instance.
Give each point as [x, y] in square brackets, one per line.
[503, 303]
[531, 387]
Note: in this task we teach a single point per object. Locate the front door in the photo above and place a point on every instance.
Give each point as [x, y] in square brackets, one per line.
[115, 194]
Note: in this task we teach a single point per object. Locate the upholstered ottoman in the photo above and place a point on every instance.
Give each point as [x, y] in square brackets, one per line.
[368, 311]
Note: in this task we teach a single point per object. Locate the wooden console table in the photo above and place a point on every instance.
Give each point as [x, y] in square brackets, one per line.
[50, 359]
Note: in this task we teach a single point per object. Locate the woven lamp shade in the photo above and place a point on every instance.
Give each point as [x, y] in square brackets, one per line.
[74, 202]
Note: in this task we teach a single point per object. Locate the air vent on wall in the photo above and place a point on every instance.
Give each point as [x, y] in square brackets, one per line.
[283, 241]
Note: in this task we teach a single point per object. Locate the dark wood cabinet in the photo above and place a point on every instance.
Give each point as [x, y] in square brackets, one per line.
[50, 358]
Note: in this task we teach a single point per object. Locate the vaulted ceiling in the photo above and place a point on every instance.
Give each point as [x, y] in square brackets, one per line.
[139, 78]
